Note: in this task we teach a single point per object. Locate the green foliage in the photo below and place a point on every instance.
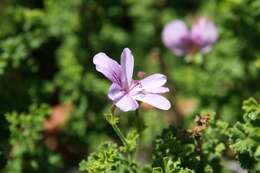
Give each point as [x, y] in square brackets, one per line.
[183, 149]
[107, 159]
[245, 137]
[199, 149]
[171, 167]
[252, 111]
[26, 136]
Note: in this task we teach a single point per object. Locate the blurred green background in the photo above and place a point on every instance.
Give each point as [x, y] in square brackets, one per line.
[52, 99]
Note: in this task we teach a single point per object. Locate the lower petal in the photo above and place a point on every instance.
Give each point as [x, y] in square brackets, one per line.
[127, 103]
[154, 100]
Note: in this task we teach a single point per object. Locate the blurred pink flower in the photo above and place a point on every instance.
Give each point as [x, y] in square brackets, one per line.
[204, 34]
[124, 91]
[177, 37]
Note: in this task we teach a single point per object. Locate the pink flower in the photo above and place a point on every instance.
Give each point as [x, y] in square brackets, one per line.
[204, 34]
[177, 37]
[124, 91]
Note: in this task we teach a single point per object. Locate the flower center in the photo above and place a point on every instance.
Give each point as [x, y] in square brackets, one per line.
[135, 87]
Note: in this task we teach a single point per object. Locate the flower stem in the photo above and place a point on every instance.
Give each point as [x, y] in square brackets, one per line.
[113, 120]
[120, 134]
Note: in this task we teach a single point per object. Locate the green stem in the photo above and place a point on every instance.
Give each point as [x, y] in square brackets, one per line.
[113, 120]
[120, 134]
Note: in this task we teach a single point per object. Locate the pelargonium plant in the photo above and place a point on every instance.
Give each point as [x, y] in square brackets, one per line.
[125, 92]
[181, 41]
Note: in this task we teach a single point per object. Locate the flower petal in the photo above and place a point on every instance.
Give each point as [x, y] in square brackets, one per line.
[153, 81]
[159, 90]
[108, 67]
[155, 100]
[176, 37]
[204, 33]
[116, 92]
[127, 103]
[127, 64]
